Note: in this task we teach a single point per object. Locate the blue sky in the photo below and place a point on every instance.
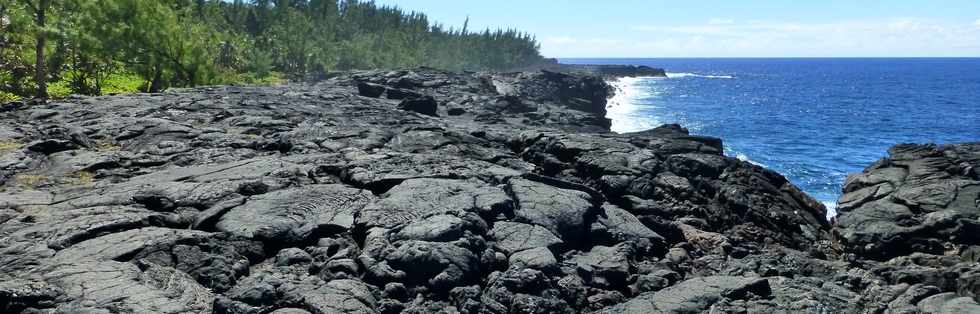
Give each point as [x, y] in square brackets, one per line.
[714, 28]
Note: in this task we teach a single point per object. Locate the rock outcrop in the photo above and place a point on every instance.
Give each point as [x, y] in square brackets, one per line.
[431, 192]
[923, 198]
[603, 70]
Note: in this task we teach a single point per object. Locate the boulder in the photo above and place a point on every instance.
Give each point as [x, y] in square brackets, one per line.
[617, 225]
[564, 212]
[605, 267]
[292, 256]
[513, 237]
[438, 228]
[537, 258]
[370, 89]
[441, 266]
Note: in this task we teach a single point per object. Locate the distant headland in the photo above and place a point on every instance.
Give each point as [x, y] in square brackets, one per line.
[603, 70]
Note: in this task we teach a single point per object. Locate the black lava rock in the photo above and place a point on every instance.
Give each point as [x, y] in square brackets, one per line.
[426, 105]
[327, 198]
[370, 89]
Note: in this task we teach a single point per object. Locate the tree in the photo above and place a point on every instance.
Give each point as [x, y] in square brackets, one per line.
[193, 42]
[160, 41]
[15, 70]
[39, 9]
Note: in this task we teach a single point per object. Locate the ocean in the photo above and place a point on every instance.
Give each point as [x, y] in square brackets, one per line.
[814, 120]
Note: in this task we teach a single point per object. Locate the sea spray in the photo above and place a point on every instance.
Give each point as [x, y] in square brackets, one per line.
[630, 100]
[684, 74]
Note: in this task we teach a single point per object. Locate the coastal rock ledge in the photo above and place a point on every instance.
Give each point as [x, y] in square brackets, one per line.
[421, 191]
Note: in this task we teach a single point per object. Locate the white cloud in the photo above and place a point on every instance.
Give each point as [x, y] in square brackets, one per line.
[568, 40]
[559, 40]
[717, 21]
[976, 23]
[872, 37]
[904, 25]
[690, 29]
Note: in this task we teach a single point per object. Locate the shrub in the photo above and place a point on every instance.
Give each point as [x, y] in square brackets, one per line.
[123, 83]
[6, 97]
[273, 78]
[60, 89]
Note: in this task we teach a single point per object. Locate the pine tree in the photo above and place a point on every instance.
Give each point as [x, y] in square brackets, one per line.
[193, 42]
[39, 9]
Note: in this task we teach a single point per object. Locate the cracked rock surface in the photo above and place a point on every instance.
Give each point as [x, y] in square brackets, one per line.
[422, 191]
[922, 198]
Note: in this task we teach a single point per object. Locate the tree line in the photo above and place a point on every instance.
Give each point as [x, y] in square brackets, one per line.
[94, 47]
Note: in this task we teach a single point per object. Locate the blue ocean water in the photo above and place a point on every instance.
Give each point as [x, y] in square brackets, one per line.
[812, 120]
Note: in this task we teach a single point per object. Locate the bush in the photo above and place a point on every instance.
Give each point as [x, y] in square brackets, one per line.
[273, 78]
[122, 83]
[115, 83]
[270, 79]
[60, 89]
[6, 97]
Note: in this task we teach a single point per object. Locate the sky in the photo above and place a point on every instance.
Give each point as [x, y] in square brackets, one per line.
[715, 28]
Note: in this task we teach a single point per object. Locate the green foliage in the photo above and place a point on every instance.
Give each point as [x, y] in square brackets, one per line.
[6, 97]
[121, 46]
[271, 78]
[16, 48]
[122, 83]
[59, 89]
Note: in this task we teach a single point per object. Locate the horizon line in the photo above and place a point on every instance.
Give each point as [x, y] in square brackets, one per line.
[786, 57]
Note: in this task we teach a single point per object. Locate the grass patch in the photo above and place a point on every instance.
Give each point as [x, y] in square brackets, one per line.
[107, 146]
[34, 211]
[128, 83]
[274, 78]
[59, 89]
[9, 145]
[83, 178]
[271, 79]
[122, 83]
[30, 180]
[115, 83]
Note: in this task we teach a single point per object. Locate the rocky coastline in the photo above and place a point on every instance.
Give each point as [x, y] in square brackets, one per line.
[608, 71]
[423, 191]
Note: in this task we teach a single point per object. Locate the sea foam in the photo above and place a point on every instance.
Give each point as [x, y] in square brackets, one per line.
[831, 209]
[745, 158]
[626, 107]
[685, 74]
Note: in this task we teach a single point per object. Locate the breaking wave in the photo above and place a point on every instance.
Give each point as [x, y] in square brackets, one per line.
[684, 74]
[627, 106]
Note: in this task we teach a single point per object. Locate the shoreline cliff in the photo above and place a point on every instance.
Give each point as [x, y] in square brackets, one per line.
[423, 191]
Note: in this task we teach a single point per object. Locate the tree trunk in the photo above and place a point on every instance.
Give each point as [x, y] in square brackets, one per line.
[157, 84]
[40, 76]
